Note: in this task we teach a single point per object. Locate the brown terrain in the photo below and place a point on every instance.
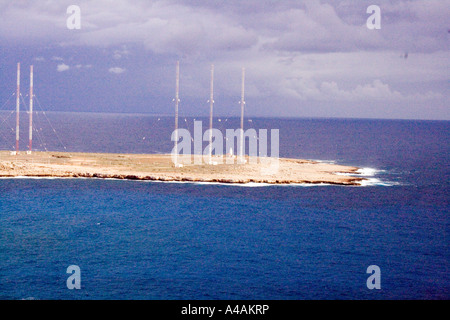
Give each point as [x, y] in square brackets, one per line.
[161, 168]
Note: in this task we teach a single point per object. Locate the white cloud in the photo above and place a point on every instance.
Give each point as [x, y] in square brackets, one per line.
[81, 66]
[330, 91]
[192, 26]
[377, 90]
[62, 67]
[318, 51]
[162, 27]
[117, 70]
[118, 54]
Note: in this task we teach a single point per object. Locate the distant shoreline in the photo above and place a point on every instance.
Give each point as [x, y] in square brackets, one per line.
[159, 167]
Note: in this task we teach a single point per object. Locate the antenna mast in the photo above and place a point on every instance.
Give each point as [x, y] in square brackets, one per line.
[177, 101]
[31, 111]
[17, 107]
[241, 149]
[211, 106]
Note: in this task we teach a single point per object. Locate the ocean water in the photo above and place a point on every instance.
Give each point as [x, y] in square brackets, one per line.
[154, 240]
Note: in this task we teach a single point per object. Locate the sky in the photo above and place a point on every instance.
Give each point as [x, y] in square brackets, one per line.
[301, 58]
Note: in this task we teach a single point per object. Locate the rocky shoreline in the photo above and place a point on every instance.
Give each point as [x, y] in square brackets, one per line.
[161, 168]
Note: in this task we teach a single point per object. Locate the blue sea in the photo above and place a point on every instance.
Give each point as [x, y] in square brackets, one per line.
[155, 240]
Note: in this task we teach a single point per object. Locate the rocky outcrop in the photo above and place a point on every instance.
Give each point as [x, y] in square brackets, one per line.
[160, 168]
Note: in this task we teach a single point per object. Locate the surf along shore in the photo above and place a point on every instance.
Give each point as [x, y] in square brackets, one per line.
[158, 167]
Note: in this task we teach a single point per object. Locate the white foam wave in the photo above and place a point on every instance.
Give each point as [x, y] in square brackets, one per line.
[369, 177]
[367, 172]
[362, 172]
[324, 161]
[246, 185]
[249, 184]
[377, 182]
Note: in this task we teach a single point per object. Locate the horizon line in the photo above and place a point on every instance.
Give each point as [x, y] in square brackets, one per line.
[236, 116]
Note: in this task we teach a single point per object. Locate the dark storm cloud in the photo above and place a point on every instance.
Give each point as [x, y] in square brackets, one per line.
[193, 26]
[309, 51]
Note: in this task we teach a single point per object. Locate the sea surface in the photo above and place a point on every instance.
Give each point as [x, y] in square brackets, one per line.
[155, 240]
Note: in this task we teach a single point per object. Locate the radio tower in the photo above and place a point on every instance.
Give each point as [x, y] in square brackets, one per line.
[211, 106]
[241, 146]
[31, 111]
[177, 101]
[17, 107]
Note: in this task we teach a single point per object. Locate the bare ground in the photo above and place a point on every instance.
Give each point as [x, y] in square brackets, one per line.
[162, 168]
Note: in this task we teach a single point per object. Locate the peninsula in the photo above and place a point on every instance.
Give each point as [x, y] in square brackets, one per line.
[159, 167]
